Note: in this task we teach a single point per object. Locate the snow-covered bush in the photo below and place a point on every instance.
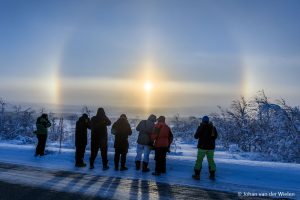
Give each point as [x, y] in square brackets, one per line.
[15, 121]
[234, 148]
[261, 126]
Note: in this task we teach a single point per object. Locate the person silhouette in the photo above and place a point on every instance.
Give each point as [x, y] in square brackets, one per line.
[99, 125]
[42, 125]
[206, 134]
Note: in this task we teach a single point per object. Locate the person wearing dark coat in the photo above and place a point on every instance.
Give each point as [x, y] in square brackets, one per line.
[82, 124]
[42, 125]
[162, 138]
[99, 125]
[206, 134]
[121, 129]
[145, 128]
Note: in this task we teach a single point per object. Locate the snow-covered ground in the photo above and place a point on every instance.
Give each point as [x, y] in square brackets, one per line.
[233, 173]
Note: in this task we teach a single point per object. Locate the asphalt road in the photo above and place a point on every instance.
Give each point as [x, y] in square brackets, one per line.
[18, 182]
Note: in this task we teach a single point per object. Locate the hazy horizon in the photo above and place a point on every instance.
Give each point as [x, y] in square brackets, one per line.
[184, 57]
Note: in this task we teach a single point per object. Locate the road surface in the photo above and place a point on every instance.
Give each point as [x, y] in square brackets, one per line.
[26, 182]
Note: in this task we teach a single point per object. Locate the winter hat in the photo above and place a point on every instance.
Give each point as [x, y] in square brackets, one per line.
[161, 119]
[205, 119]
[85, 116]
[44, 116]
[152, 118]
[100, 112]
[123, 116]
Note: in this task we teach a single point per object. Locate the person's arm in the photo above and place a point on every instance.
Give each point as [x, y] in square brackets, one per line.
[114, 128]
[38, 122]
[129, 129]
[76, 134]
[216, 133]
[171, 137]
[139, 126]
[88, 123]
[107, 121]
[196, 136]
[155, 133]
[48, 124]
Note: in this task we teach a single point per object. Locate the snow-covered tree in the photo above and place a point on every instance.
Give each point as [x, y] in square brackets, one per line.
[260, 125]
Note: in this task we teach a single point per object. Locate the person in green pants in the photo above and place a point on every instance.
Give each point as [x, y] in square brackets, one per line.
[206, 134]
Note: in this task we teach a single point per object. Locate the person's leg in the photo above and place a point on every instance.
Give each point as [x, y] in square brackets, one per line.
[116, 159]
[38, 146]
[94, 152]
[139, 152]
[146, 158]
[210, 159]
[123, 160]
[147, 151]
[83, 153]
[163, 160]
[103, 148]
[211, 163]
[198, 164]
[158, 159]
[77, 156]
[200, 157]
[138, 158]
[43, 144]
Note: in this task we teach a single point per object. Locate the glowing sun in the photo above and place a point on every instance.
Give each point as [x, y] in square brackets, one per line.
[148, 86]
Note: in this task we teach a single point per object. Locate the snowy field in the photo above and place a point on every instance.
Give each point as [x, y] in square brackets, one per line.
[233, 173]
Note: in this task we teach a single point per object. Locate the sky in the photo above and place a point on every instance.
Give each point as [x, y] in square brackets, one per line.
[149, 56]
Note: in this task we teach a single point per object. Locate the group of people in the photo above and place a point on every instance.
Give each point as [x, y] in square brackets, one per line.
[153, 134]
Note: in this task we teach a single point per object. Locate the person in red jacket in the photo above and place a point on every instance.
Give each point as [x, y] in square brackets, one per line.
[162, 138]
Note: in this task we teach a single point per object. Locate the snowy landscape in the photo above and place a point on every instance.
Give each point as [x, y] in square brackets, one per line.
[257, 150]
[223, 71]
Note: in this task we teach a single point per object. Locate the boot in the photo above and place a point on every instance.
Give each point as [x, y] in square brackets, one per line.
[212, 175]
[145, 167]
[105, 167]
[116, 167]
[91, 164]
[156, 174]
[137, 165]
[80, 164]
[196, 176]
[123, 168]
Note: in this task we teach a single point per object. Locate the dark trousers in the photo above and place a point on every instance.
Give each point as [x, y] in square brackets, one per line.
[120, 153]
[79, 154]
[160, 159]
[94, 152]
[40, 148]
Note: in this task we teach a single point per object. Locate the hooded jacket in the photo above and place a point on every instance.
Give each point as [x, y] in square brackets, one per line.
[206, 134]
[42, 125]
[162, 135]
[82, 124]
[121, 129]
[99, 125]
[145, 128]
